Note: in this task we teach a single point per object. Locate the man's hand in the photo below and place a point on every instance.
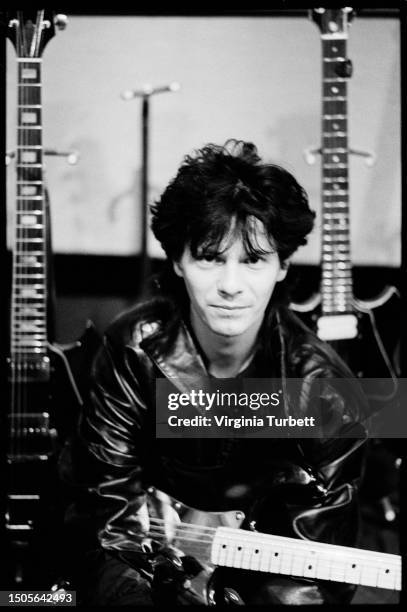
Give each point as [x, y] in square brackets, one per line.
[172, 577]
[158, 519]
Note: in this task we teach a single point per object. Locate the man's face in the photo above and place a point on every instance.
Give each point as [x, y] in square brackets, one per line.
[229, 291]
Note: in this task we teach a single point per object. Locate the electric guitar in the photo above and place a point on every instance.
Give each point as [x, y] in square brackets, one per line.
[215, 539]
[45, 398]
[350, 324]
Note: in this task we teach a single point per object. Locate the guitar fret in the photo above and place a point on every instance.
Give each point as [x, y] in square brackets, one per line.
[333, 59]
[19, 275]
[335, 192]
[19, 352]
[36, 326]
[328, 259]
[338, 310]
[36, 253]
[38, 322]
[334, 98]
[336, 289]
[336, 116]
[334, 179]
[29, 165]
[32, 127]
[35, 60]
[334, 150]
[334, 134]
[330, 205]
[340, 280]
[335, 166]
[340, 276]
[38, 341]
[336, 36]
[331, 215]
[334, 80]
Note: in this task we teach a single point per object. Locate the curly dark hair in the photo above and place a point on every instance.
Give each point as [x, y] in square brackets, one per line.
[220, 184]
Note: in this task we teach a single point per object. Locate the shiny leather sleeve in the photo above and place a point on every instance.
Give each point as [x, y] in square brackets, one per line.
[103, 462]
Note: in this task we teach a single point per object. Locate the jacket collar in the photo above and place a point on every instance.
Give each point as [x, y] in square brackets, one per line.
[182, 363]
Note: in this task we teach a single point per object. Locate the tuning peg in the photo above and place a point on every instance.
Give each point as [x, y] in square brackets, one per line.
[344, 69]
[61, 21]
[370, 157]
[310, 153]
[9, 156]
[72, 157]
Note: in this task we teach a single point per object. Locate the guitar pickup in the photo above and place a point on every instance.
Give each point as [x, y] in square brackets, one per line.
[337, 327]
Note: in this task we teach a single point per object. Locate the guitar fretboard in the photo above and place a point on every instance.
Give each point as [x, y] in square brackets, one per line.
[336, 281]
[29, 286]
[281, 555]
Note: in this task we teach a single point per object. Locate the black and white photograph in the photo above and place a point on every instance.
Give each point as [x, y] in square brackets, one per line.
[202, 316]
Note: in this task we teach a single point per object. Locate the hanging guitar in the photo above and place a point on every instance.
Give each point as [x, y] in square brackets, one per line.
[217, 539]
[44, 396]
[352, 325]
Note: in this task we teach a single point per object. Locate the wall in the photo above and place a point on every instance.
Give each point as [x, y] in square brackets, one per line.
[252, 78]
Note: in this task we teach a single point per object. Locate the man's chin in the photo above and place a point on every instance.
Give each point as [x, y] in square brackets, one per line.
[228, 331]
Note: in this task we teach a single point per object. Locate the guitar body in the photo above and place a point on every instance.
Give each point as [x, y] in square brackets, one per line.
[216, 539]
[35, 500]
[371, 354]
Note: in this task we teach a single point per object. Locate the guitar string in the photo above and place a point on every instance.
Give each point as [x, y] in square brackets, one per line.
[159, 530]
[292, 551]
[20, 361]
[202, 528]
[13, 353]
[23, 280]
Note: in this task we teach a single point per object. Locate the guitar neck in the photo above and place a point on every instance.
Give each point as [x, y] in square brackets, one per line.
[336, 282]
[281, 555]
[29, 279]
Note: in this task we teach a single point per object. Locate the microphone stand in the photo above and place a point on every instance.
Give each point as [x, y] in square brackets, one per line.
[145, 263]
[145, 94]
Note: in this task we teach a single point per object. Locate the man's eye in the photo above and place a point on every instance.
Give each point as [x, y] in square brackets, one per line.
[253, 259]
[208, 258]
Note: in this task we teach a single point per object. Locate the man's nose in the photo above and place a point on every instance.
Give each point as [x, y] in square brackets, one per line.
[229, 282]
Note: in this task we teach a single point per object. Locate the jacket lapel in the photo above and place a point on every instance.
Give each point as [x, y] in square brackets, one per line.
[182, 364]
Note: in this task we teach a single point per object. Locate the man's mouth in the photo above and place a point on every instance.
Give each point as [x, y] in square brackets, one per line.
[231, 308]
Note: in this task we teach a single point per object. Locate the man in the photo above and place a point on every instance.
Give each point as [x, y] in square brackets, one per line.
[229, 224]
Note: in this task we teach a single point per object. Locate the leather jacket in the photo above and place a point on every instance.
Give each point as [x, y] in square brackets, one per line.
[306, 488]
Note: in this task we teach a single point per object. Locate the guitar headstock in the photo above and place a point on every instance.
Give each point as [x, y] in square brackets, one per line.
[333, 22]
[30, 31]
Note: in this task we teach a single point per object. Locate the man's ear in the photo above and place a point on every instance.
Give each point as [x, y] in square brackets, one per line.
[178, 269]
[283, 270]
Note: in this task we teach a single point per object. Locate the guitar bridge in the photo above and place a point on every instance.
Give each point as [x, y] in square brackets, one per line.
[31, 437]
